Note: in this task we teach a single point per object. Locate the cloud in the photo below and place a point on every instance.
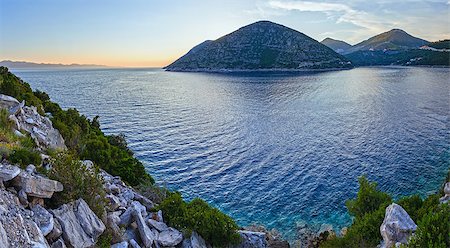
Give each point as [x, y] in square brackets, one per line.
[341, 12]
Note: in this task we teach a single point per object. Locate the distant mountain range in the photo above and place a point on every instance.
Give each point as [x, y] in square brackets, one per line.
[266, 45]
[30, 65]
[262, 45]
[338, 46]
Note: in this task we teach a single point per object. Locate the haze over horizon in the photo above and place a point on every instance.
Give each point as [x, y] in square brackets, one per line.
[155, 33]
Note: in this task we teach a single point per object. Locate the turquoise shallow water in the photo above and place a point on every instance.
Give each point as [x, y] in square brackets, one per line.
[274, 149]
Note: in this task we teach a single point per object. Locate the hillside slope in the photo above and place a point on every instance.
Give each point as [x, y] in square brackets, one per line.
[262, 45]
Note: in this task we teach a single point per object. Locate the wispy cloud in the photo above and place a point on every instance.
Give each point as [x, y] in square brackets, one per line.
[341, 12]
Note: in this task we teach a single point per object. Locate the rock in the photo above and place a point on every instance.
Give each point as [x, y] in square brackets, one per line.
[160, 226]
[113, 202]
[144, 201]
[344, 231]
[126, 217]
[252, 240]
[170, 237]
[123, 244]
[31, 169]
[158, 216]
[43, 219]
[59, 244]
[446, 197]
[88, 164]
[35, 234]
[3, 237]
[397, 226]
[447, 188]
[39, 127]
[134, 244]
[36, 201]
[8, 172]
[56, 232]
[114, 229]
[8, 102]
[81, 227]
[38, 186]
[196, 241]
[19, 134]
[112, 188]
[147, 236]
[23, 197]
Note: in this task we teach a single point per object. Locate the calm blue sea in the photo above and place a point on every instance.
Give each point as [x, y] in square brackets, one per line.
[273, 149]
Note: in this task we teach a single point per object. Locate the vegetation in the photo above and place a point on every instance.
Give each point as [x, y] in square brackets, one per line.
[399, 57]
[82, 136]
[78, 181]
[214, 226]
[369, 208]
[85, 140]
[24, 157]
[442, 44]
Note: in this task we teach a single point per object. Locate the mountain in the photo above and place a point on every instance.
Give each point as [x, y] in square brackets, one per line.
[262, 45]
[337, 45]
[418, 57]
[395, 39]
[31, 65]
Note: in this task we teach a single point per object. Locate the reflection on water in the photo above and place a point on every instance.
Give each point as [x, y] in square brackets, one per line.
[276, 149]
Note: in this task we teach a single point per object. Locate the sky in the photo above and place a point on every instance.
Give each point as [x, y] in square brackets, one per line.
[153, 33]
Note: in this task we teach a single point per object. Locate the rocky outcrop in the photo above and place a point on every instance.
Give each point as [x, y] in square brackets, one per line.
[252, 239]
[8, 171]
[397, 226]
[36, 185]
[81, 227]
[29, 120]
[446, 197]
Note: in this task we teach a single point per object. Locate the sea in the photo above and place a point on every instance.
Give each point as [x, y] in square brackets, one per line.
[274, 149]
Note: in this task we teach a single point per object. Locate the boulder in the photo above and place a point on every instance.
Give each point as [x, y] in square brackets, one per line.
[38, 186]
[134, 244]
[116, 233]
[81, 227]
[113, 202]
[3, 237]
[252, 239]
[123, 244]
[147, 236]
[197, 241]
[170, 237]
[8, 102]
[43, 219]
[8, 172]
[397, 226]
[23, 197]
[446, 197]
[59, 244]
[160, 226]
[55, 233]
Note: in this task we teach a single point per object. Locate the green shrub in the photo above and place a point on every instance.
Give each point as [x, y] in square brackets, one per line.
[155, 193]
[369, 199]
[214, 226]
[78, 182]
[433, 229]
[5, 123]
[368, 208]
[25, 156]
[412, 205]
[81, 136]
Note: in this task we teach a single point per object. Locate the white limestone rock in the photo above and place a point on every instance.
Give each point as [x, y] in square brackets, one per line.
[397, 226]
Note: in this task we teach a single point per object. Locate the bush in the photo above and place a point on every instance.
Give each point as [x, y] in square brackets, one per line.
[24, 157]
[433, 229]
[368, 208]
[412, 205]
[214, 226]
[78, 182]
[81, 136]
[369, 199]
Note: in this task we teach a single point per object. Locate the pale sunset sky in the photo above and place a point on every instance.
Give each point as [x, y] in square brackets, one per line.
[153, 33]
